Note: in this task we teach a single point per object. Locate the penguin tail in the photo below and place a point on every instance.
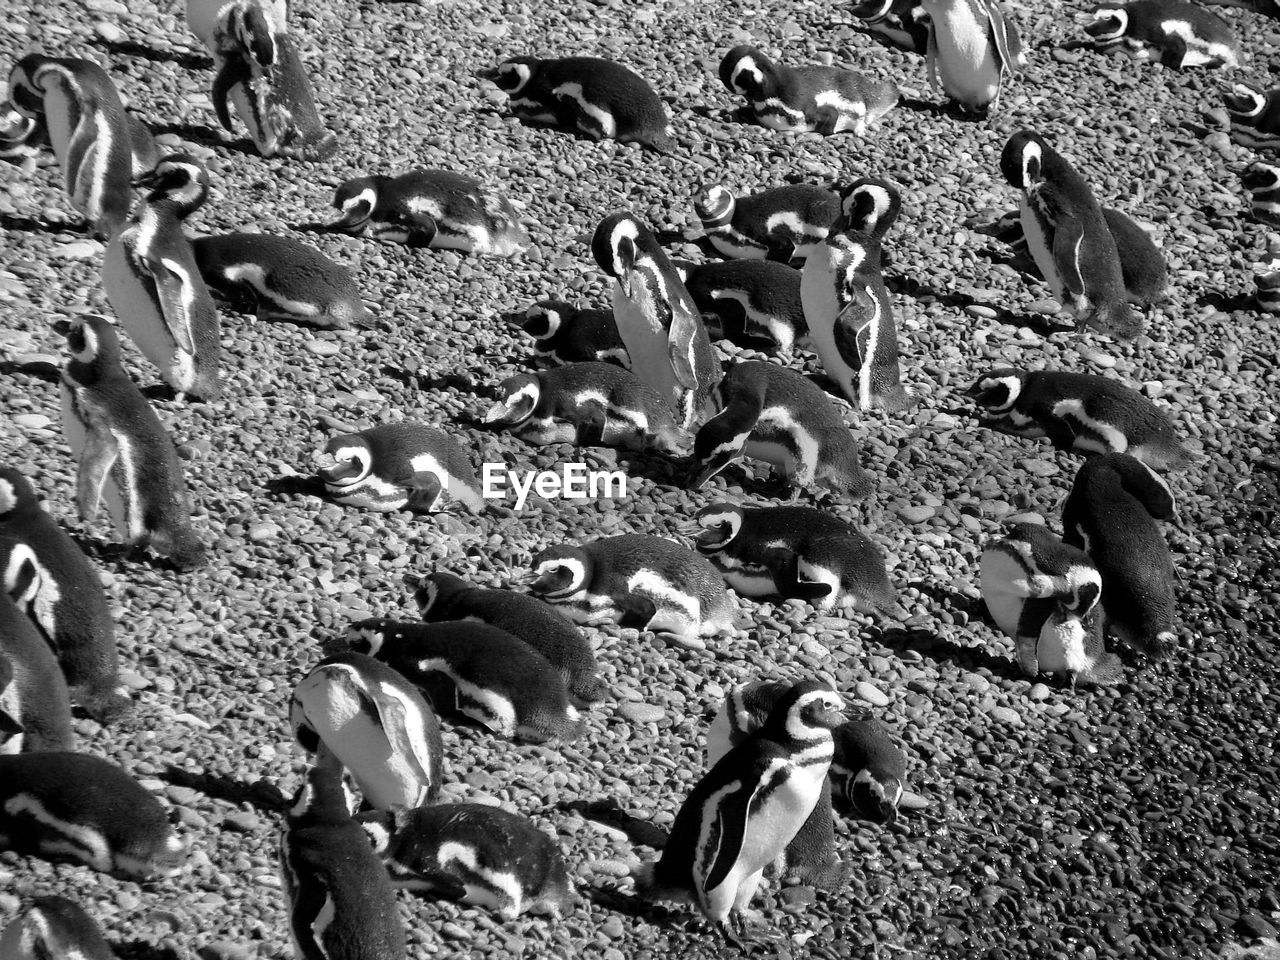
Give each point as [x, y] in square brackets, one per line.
[104, 706]
[1162, 645]
[899, 398]
[1117, 319]
[1106, 671]
[587, 690]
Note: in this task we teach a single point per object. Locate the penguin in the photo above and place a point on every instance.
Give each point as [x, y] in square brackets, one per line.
[72, 806]
[74, 103]
[436, 209]
[341, 902]
[482, 672]
[647, 581]
[1266, 277]
[811, 855]
[354, 711]
[1083, 412]
[153, 282]
[442, 596]
[818, 99]
[260, 74]
[399, 466]
[563, 334]
[869, 205]
[795, 552]
[35, 698]
[1267, 8]
[71, 607]
[868, 770]
[782, 223]
[589, 404]
[1068, 235]
[1110, 514]
[1043, 594]
[657, 319]
[126, 457]
[902, 23]
[598, 98]
[972, 45]
[743, 814]
[1178, 33]
[1262, 182]
[51, 928]
[777, 415]
[474, 853]
[279, 278]
[1255, 116]
[21, 136]
[755, 303]
[851, 322]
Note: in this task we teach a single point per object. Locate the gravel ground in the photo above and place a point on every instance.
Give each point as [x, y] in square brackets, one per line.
[1134, 822]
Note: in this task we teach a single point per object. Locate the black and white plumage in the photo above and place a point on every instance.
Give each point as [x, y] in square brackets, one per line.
[563, 334]
[902, 23]
[260, 74]
[72, 806]
[795, 552]
[868, 770]
[781, 223]
[354, 711]
[154, 284]
[431, 208]
[342, 905]
[818, 99]
[1084, 412]
[1262, 182]
[777, 415]
[69, 605]
[634, 579]
[1068, 235]
[598, 98]
[1111, 514]
[399, 466]
[1266, 277]
[279, 278]
[53, 928]
[1177, 33]
[477, 670]
[755, 303]
[657, 318]
[744, 813]
[126, 457]
[868, 205]
[1267, 8]
[588, 404]
[442, 596]
[972, 46]
[476, 854]
[1255, 115]
[1043, 594]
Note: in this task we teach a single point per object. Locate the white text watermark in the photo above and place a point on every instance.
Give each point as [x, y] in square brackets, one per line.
[573, 481]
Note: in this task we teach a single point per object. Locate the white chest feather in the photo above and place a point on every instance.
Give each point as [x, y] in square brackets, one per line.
[966, 58]
[1040, 245]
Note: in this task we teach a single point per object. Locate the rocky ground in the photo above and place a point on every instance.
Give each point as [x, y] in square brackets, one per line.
[1134, 822]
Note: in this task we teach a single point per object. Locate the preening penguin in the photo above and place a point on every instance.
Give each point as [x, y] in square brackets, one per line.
[657, 318]
[351, 710]
[341, 902]
[755, 303]
[564, 334]
[588, 404]
[1178, 33]
[972, 45]
[868, 770]
[1255, 116]
[599, 98]
[474, 853]
[126, 456]
[777, 415]
[399, 466]
[154, 284]
[431, 208]
[903, 23]
[1078, 411]
[781, 223]
[53, 928]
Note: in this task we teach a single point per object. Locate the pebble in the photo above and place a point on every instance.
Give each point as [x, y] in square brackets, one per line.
[78, 250]
[1038, 692]
[872, 694]
[916, 514]
[324, 348]
[1007, 715]
[31, 421]
[109, 32]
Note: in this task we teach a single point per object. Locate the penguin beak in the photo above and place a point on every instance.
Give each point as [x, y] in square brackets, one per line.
[488, 73]
[338, 471]
[690, 530]
[353, 218]
[62, 327]
[525, 578]
[499, 414]
[708, 470]
[147, 180]
[1083, 19]
[540, 584]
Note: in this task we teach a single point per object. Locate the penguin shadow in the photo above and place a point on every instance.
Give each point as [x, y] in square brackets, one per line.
[1039, 323]
[261, 795]
[610, 813]
[37, 369]
[207, 136]
[1226, 304]
[938, 648]
[131, 48]
[32, 225]
[141, 950]
[281, 488]
[933, 108]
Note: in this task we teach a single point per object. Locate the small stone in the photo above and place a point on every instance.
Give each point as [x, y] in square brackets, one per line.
[918, 514]
[241, 822]
[613, 928]
[912, 801]
[1046, 307]
[1038, 692]
[642, 712]
[324, 348]
[1097, 357]
[224, 950]
[1254, 924]
[978, 310]
[32, 421]
[1007, 715]
[108, 32]
[263, 531]
[78, 250]
[872, 694]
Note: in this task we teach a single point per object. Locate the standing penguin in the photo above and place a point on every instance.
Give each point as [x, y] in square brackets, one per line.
[564, 334]
[1255, 116]
[1111, 514]
[126, 456]
[972, 45]
[755, 303]
[153, 281]
[1179, 33]
[657, 319]
[782, 223]
[341, 902]
[70, 606]
[78, 107]
[53, 928]
[744, 813]
[1068, 235]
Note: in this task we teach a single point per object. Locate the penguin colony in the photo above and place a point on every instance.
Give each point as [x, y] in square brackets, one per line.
[802, 280]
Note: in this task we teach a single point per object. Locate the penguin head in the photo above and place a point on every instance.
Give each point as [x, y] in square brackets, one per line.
[244, 28]
[717, 525]
[714, 206]
[1260, 176]
[512, 75]
[346, 460]
[748, 72]
[810, 708]
[1106, 23]
[542, 320]
[874, 795]
[93, 343]
[620, 242]
[873, 10]
[380, 827]
[1084, 584]
[1244, 102]
[1022, 159]
[179, 180]
[25, 90]
[998, 390]
[717, 444]
[869, 205]
[16, 492]
[560, 572]
[433, 588]
[357, 199]
[366, 637]
[324, 795]
[520, 395]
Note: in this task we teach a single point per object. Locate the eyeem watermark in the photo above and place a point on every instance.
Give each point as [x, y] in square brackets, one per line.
[573, 481]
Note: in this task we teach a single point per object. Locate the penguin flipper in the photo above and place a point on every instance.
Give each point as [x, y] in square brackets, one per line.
[931, 57]
[406, 740]
[1060, 431]
[1068, 236]
[682, 339]
[232, 72]
[1005, 37]
[730, 830]
[172, 279]
[101, 450]
[424, 490]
